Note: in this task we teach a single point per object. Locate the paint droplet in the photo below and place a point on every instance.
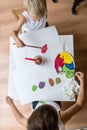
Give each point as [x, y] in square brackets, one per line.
[42, 102]
[58, 80]
[51, 82]
[34, 88]
[41, 84]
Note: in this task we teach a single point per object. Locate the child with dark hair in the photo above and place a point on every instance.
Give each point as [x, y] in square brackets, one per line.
[49, 116]
[43, 118]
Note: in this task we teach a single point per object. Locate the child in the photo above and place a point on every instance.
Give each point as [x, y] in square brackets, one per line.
[33, 18]
[49, 116]
[75, 4]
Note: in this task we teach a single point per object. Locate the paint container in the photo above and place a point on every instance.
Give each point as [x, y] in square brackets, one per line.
[39, 60]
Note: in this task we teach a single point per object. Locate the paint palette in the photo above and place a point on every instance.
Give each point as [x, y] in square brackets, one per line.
[64, 62]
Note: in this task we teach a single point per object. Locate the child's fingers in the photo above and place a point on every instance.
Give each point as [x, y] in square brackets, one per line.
[78, 73]
[8, 100]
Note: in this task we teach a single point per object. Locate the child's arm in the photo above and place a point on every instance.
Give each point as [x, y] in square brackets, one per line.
[67, 114]
[16, 30]
[19, 117]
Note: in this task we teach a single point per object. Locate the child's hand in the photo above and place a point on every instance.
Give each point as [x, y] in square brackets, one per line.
[20, 44]
[9, 101]
[80, 76]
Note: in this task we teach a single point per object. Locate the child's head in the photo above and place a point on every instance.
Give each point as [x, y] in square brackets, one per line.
[36, 7]
[44, 117]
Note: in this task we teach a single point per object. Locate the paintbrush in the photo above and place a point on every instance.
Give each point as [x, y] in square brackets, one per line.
[43, 48]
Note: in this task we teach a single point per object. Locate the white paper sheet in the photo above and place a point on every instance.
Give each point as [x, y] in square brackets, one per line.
[27, 73]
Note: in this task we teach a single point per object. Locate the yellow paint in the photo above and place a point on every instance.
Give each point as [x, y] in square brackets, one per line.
[67, 57]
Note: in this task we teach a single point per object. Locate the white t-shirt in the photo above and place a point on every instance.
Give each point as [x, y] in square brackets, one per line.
[57, 107]
[32, 25]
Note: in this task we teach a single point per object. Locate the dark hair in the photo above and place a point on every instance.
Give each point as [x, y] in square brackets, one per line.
[44, 117]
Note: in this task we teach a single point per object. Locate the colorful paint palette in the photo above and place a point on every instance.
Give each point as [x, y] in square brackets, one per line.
[64, 62]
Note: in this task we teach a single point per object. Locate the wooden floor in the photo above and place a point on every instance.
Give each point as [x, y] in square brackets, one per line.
[59, 15]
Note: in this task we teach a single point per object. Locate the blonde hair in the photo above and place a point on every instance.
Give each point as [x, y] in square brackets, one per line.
[36, 7]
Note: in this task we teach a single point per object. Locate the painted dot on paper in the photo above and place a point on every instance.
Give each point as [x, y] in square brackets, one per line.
[51, 82]
[34, 88]
[41, 84]
[58, 80]
[42, 102]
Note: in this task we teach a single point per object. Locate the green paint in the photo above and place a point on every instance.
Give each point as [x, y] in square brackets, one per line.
[42, 102]
[34, 88]
[69, 73]
[58, 80]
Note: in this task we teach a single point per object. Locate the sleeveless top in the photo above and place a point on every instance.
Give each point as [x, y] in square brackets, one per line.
[32, 25]
[57, 107]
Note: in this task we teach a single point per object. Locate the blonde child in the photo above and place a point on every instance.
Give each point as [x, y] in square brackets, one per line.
[32, 19]
[49, 116]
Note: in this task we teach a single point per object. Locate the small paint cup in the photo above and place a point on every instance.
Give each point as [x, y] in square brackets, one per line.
[39, 60]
